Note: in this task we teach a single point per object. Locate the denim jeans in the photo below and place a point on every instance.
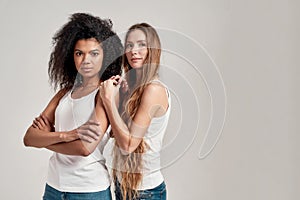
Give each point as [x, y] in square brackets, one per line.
[157, 193]
[53, 194]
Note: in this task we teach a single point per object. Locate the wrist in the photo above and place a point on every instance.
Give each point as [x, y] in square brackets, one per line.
[107, 101]
[67, 136]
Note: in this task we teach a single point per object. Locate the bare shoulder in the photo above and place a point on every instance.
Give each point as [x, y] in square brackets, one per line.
[156, 92]
[51, 107]
[155, 88]
[61, 93]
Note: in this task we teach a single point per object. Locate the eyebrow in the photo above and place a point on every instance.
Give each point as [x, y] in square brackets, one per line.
[136, 41]
[89, 51]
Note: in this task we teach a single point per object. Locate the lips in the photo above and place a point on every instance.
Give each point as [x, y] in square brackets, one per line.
[86, 69]
[135, 59]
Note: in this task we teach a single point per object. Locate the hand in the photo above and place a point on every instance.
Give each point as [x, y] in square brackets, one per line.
[110, 88]
[41, 122]
[124, 85]
[90, 131]
[69, 136]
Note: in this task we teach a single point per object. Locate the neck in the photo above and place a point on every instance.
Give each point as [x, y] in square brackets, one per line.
[93, 82]
[138, 74]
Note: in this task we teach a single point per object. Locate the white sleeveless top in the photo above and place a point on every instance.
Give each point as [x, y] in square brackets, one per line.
[152, 176]
[68, 173]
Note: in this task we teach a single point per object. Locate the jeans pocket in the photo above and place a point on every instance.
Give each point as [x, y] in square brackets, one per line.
[144, 195]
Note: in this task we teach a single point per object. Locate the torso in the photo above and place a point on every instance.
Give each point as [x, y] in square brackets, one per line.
[77, 173]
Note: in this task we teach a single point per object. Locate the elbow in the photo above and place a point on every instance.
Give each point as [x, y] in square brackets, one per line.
[29, 142]
[26, 141]
[130, 150]
[126, 150]
[85, 152]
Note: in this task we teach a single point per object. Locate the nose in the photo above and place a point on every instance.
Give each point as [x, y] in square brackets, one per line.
[86, 59]
[135, 49]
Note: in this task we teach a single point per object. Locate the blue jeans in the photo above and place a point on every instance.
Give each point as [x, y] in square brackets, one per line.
[157, 193]
[53, 194]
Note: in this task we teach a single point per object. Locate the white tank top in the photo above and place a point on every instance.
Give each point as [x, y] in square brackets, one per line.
[152, 176]
[77, 173]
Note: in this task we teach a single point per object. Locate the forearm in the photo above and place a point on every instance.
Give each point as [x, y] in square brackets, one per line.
[69, 148]
[77, 147]
[97, 123]
[38, 138]
[120, 129]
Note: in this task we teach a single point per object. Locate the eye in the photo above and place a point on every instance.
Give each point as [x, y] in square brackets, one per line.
[78, 53]
[128, 45]
[142, 44]
[94, 54]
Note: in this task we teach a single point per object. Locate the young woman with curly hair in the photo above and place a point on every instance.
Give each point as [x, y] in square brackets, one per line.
[86, 52]
[144, 113]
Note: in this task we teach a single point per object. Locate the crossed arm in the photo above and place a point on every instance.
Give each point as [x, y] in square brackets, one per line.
[41, 133]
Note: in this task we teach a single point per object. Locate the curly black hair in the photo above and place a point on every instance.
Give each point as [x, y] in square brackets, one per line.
[62, 71]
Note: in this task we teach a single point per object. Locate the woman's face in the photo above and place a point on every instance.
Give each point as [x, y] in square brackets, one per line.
[88, 57]
[136, 48]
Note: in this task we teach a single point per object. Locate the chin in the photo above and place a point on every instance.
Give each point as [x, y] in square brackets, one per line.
[136, 66]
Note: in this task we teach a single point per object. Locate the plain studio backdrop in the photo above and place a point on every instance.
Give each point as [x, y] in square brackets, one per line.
[254, 46]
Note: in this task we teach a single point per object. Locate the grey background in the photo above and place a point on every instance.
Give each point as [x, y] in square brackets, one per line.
[255, 45]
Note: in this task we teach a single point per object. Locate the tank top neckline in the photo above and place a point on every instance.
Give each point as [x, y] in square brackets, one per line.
[83, 97]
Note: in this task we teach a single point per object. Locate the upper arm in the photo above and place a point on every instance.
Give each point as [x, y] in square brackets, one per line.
[49, 111]
[154, 102]
[100, 116]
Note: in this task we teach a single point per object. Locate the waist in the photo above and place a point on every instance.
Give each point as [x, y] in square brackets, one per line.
[77, 173]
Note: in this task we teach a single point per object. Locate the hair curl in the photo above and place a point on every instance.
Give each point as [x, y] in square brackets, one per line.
[62, 71]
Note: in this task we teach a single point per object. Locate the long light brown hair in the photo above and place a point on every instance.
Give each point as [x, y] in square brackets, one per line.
[129, 168]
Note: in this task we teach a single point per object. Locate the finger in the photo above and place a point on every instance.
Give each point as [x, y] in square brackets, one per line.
[121, 80]
[38, 124]
[34, 122]
[46, 121]
[117, 77]
[89, 123]
[87, 134]
[41, 121]
[107, 82]
[91, 130]
[34, 126]
[115, 82]
[93, 122]
[84, 138]
[38, 119]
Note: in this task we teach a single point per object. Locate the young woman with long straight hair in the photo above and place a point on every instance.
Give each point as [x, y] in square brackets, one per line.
[140, 121]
